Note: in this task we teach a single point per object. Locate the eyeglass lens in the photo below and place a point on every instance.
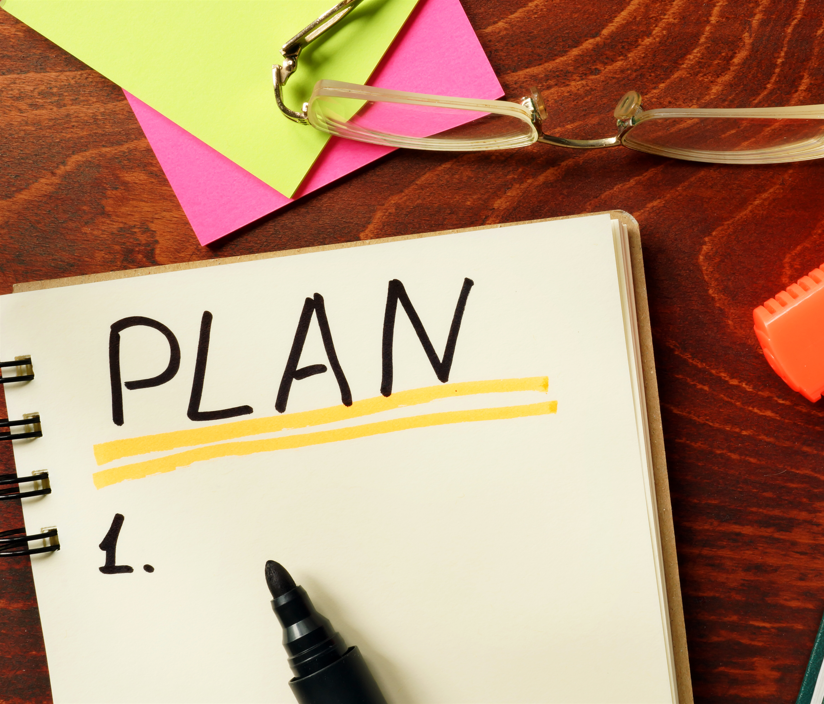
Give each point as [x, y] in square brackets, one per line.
[733, 139]
[422, 126]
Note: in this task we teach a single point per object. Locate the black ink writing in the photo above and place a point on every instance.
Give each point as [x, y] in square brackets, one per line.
[194, 411]
[114, 362]
[292, 373]
[442, 366]
[109, 546]
[313, 307]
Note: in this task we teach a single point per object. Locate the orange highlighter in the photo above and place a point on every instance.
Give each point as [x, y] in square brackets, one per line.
[790, 328]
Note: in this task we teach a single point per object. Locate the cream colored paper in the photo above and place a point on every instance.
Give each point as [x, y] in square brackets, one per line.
[207, 65]
[484, 561]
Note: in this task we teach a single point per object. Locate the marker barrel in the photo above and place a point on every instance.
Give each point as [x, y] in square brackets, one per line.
[326, 672]
[346, 681]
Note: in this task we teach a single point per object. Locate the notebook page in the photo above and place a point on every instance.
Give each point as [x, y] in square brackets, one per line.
[627, 291]
[504, 509]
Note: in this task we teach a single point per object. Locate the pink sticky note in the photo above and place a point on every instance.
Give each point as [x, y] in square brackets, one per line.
[436, 52]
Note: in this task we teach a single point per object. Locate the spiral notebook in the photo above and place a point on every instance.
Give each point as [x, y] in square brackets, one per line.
[451, 440]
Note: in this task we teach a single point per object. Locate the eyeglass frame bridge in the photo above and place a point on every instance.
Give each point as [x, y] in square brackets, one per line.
[627, 114]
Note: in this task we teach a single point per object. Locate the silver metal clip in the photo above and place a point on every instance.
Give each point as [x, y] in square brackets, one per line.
[291, 51]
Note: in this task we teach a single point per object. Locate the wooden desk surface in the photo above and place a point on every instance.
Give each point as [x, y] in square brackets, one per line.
[81, 192]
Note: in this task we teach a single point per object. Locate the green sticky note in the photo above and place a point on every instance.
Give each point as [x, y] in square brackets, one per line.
[207, 64]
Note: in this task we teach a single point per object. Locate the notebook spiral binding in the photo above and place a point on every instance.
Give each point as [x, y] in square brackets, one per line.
[15, 542]
[30, 419]
[7, 492]
[25, 372]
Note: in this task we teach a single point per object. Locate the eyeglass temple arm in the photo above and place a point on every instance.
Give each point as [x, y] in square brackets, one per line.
[627, 109]
[291, 51]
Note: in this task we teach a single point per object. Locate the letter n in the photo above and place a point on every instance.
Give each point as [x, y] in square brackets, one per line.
[442, 366]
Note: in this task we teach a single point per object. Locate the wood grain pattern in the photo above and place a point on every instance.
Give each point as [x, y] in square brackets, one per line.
[81, 192]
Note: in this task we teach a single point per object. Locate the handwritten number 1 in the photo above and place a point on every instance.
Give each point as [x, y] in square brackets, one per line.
[109, 545]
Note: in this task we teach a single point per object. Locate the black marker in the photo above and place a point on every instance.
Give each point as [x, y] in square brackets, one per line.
[326, 672]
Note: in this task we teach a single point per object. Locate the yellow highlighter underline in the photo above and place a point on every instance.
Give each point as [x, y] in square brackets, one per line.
[117, 449]
[138, 470]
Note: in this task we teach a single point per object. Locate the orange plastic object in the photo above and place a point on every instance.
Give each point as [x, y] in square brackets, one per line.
[790, 328]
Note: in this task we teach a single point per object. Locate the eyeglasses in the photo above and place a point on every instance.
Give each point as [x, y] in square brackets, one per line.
[416, 121]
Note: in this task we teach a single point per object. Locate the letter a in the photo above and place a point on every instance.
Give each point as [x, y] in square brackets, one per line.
[312, 305]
